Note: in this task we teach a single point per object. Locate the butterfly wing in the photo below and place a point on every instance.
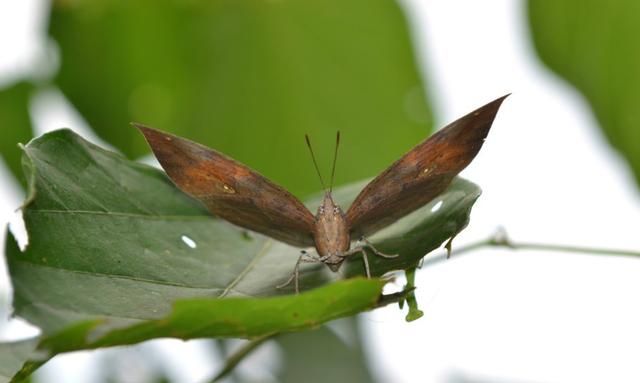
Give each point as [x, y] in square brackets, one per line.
[422, 174]
[231, 190]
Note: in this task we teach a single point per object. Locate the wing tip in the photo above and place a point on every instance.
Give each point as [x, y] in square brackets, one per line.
[154, 136]
[492, 107]
[144, 129]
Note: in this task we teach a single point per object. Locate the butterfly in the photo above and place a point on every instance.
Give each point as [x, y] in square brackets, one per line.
[242, 196]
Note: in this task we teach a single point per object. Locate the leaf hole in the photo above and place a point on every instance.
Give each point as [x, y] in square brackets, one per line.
[188, 241]
[437, 206]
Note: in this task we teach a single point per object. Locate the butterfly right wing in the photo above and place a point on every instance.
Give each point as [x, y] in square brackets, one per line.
[231, 190]
[423, 173]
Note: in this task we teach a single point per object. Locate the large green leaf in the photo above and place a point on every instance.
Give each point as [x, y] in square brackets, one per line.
[248, 78]
[594, 45]
[15, 124]
[191, 318]
[118, 255]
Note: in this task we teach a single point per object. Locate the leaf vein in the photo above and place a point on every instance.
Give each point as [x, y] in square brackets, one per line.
[121, 214]
[248, 268]
[112, 276]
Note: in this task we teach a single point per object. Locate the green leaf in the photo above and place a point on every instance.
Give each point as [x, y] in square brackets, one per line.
[197, 318]
[15, 124]
[594, 46]
[118, 255]
[230, 317]
[248, 78]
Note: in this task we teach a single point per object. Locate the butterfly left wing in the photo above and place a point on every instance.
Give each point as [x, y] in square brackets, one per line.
[232, 190]
[423, 173]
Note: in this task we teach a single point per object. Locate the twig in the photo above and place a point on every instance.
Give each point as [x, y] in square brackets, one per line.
[400, 296]
[500, 239]
[237, 357]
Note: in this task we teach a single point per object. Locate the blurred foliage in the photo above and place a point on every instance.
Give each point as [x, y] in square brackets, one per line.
[321, 356]
[594, 45]
[14, 354]
[248, 78]
[15, 125]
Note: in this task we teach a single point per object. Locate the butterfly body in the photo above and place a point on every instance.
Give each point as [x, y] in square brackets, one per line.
[331, 233]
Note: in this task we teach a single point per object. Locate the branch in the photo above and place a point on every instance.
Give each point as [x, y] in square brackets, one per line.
[500, 239]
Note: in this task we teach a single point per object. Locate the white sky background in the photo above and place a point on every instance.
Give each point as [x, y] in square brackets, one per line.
[547, 176]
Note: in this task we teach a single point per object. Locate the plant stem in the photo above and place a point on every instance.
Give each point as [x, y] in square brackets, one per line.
[237, 357]
[414, 312]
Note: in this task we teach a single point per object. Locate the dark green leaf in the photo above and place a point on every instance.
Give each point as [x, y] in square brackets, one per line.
[248, 78]
[108, 256]
[595, 47]
[15, 124]
[196, 318]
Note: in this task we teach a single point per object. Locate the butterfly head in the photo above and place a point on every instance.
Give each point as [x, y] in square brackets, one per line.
[329, 209]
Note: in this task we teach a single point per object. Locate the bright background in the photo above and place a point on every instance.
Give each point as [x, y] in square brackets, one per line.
[547, 177]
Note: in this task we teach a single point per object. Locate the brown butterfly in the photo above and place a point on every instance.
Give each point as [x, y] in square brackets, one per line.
[243, 197]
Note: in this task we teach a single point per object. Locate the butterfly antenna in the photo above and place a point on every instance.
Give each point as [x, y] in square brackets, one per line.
[313, 157]
[335, 158]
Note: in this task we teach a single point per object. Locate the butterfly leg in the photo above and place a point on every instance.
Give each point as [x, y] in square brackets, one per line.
[365, 258]
[304, 258]
[376, 251]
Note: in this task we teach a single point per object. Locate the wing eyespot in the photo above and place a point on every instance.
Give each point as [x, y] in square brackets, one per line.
[428, 170]
[228, 189]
